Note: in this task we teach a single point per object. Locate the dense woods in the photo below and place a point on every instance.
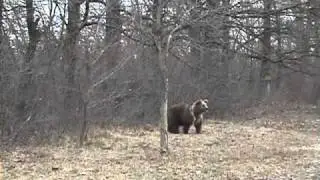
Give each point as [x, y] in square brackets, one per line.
[68, 64]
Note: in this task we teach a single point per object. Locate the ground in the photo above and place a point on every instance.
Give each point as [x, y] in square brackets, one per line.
[266, 147]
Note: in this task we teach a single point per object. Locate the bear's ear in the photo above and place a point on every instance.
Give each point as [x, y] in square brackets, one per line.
[205, 100]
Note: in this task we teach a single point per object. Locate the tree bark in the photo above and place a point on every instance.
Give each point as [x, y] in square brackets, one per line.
[70, 57]
[33, 33]
[113, 33]
[1, 23]
[26, 86]
[113, 20]
[161, 59]
[279, 69]
[196, 33]
[315, 94]
[225, 61]
[84, 100]
[164, 104]
[265, 73]
[2, 75]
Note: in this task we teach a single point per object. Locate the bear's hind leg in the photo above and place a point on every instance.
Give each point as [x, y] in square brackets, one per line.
[186, 129]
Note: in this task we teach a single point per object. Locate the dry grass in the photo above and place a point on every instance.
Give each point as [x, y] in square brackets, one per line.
[224, 151]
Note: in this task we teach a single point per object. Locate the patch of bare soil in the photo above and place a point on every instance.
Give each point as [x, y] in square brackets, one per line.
[225, 150]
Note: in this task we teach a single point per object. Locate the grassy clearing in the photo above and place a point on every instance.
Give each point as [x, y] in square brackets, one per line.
[224, 151]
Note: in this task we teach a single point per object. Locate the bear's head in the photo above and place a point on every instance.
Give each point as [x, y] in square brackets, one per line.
[200, 106]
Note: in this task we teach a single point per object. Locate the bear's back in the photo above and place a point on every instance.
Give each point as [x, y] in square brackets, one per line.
[180, 113]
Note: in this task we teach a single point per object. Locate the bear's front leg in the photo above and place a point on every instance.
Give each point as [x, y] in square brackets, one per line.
[198, 127]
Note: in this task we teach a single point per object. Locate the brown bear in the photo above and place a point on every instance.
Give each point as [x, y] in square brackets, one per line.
[185, 115]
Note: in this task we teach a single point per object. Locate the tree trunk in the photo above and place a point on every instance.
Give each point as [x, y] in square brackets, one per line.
[84, 99]
[2, 75]
[113, 20]
[26, 86]
[225, 61]
[265, 72]
[164, 104]
[84, 125]
[1, 33]
[70, 58]
[33, 33]
[315, 95]
[1, 24]
[195, 32]
[113, 33]
[279, 69]
[157, 32]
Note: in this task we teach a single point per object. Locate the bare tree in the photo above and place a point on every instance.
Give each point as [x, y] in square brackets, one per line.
[157, 31]
[113, 32]
[313, 16]
[1, 21]
[26, 87]
[2, 107]
[265, 74]
[71, 56]
[226, 58]
[33, 32]
[278, 76]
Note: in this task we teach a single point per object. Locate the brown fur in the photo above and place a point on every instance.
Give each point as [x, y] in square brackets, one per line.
[185, 115]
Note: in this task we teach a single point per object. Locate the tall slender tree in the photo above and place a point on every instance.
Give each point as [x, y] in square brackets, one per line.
[157, 31]
[314, 14]
[70, 56]
[33, 32]
[1, 22]
[113, 32]
[265, 73]
[279, 69]
[26, 86]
